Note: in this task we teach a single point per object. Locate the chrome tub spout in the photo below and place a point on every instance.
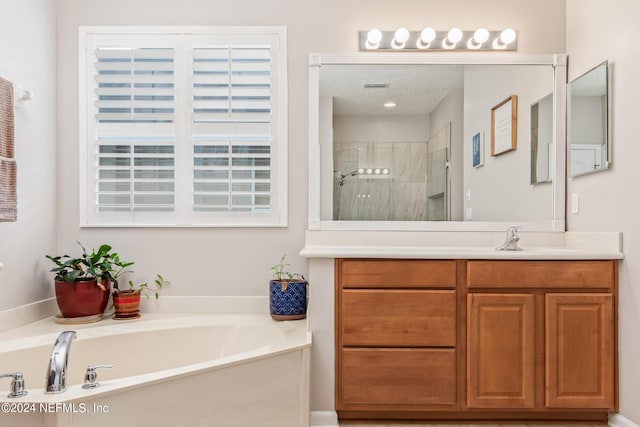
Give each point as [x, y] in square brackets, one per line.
[56, 381]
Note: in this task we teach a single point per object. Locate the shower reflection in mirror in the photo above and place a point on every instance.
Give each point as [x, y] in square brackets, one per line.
[392, 181]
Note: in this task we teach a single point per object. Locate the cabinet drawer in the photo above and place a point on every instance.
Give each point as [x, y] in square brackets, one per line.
[391, 318]
[540, 274]
[398, 376]
[398, 273]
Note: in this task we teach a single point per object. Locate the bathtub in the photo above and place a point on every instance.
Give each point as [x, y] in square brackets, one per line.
[169, 370]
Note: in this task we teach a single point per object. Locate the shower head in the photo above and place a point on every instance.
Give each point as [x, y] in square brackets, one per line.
[343, 177]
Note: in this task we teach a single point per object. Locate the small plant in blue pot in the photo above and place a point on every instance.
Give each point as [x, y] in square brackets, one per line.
[287, 293]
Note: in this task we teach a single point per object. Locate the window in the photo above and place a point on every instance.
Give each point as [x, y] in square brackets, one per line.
[183, 126]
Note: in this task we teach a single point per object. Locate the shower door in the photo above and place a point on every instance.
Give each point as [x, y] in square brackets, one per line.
[438, 177]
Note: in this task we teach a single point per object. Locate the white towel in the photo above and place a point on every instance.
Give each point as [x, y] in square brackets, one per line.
[8, 193]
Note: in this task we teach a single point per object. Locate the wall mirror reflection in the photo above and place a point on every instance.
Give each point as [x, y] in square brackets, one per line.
[395, 144]
[542, 140]
[589, 121]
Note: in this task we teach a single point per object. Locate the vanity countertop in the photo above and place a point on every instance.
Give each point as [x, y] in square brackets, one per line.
[452, 245]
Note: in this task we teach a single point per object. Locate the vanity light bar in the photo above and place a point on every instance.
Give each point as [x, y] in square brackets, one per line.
[429, 39]
[373, 171]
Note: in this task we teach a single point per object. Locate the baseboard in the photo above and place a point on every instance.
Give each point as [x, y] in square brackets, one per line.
[324, 419]
[619, 420]
[330, 419]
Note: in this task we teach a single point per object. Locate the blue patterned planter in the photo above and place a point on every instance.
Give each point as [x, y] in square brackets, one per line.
[290, 303]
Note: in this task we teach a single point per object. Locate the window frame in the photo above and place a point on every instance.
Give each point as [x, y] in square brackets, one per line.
[278, 215]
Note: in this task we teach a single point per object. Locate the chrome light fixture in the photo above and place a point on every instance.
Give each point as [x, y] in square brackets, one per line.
[403, 39]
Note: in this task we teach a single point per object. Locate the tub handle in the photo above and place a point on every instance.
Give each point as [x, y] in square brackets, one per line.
[91, 376]
[17, 385]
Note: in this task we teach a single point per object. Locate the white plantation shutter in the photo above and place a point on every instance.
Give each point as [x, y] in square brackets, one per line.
[185, 129]
[232, 128]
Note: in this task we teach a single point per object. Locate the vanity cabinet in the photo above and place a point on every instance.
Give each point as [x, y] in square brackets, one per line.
[476, 339]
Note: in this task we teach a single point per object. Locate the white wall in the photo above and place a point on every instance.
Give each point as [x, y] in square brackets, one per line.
[236, 261]
[198, 261]
[504, 180]
[390, 128]
[599, 30]
[27, 58]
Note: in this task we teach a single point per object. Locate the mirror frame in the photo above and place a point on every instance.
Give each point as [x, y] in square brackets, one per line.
[557, 61]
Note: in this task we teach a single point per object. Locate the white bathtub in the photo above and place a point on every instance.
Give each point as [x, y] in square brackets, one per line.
[172, 370]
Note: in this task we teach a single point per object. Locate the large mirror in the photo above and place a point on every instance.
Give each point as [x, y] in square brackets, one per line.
[589, 121]
[433, 142]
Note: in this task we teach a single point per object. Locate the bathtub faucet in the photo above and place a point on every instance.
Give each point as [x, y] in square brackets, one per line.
[57, 371]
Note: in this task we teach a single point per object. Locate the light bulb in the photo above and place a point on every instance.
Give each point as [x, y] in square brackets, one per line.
[507, 36]
[390, 104]
[369, 171]
[377, 171]
[454, 35]
[385, 171]
[481, 35]
[428, 35]
[360, 171]
[374, 36]
[401, 35]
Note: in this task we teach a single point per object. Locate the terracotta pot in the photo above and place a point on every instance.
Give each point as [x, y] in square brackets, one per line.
[82, 297]
[126, 303]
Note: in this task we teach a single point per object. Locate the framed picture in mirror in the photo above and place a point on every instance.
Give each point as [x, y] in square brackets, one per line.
[478, 150]
[504, 119]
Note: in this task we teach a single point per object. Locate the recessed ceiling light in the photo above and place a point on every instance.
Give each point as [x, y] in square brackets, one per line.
[390, 104]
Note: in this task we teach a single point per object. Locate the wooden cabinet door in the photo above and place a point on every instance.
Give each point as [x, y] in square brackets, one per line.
[580, 351]
[500, 351]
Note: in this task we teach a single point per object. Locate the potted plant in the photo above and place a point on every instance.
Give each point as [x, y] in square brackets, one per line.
[82, 283]
[127, 301]
[287, 293]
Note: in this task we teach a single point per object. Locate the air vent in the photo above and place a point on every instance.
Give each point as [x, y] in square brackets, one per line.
[376, 85]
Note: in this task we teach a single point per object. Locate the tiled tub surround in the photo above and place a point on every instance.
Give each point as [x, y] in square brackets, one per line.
[169, 369]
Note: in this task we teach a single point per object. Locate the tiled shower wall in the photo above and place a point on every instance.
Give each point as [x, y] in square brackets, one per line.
[399, 196]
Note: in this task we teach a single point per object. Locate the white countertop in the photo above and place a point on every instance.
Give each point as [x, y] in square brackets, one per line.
[461, 245]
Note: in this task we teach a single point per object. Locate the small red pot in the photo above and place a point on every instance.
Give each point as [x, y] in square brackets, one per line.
[126, 303]
[82, 297]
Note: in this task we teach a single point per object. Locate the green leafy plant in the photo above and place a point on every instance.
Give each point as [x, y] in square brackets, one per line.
[145, 288]
[99, 265]
[281, 274]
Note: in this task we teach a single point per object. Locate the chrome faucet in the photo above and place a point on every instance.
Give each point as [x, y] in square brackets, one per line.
[17, 384]
[511, 241]
[56, 381]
